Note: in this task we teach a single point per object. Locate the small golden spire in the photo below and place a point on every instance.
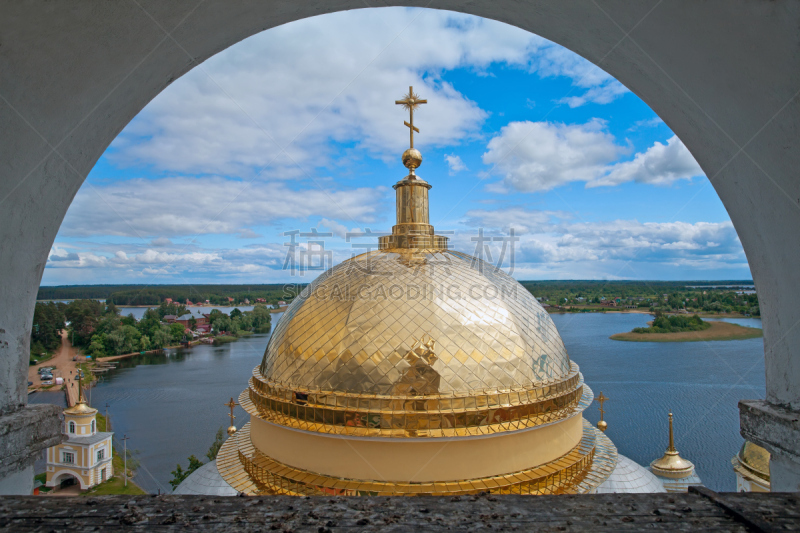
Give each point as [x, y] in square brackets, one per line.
[671, 464]
[232, 428]
[80, 388]
[602, 425]
[671, 436]
[412, 158]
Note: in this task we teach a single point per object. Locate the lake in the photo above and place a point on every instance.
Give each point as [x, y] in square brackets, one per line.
[171, 405]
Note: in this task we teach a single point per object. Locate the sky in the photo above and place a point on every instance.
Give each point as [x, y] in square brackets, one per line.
[295, 131]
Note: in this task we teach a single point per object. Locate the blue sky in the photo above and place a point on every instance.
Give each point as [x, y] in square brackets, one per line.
[296, 128]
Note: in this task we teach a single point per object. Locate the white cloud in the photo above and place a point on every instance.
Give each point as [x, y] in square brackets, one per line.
[326, 78]
[210, 205]
[600, 87]
[545, 239]
[454, 164]
[539, 156]
[333, 78]
[520, 219]
[661, 164]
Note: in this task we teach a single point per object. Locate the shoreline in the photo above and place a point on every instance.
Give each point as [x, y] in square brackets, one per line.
[719, 331]
[614, 310]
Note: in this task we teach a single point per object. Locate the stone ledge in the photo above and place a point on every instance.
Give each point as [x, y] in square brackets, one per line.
[775, 428]
[596, 513]
[25, 433]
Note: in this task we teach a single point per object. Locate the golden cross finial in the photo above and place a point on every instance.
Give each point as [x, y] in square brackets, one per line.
[602, 425]
[231, 404]
[411, 101]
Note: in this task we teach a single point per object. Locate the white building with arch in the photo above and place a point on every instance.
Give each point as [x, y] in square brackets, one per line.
[84, 458]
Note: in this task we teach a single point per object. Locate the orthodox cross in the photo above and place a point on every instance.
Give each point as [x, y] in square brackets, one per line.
[231, 404]
[601, 399]
[411, 102]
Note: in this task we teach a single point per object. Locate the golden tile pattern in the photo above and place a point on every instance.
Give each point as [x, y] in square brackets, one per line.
[353, 328]
[443, 415]
[580, 470]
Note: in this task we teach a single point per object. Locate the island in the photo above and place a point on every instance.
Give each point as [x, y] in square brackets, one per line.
[686, 328]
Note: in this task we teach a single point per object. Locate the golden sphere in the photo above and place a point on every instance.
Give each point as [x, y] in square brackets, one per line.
[412, 158]
[231, 431]
[602, 426]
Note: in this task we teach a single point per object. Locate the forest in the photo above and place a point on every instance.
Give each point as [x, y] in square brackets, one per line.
[99, 330]
[155, 294]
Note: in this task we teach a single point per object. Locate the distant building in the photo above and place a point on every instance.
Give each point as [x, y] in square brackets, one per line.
[186, 319]
[281, 303]
[261, 300]
[167, 300]
[85, 457]
[246, 301]
[230, 300]
[169, 319]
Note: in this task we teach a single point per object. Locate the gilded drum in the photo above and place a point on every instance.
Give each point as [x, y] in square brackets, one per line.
[415, 322]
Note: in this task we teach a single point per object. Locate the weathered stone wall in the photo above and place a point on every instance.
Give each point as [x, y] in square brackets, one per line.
[607, 512]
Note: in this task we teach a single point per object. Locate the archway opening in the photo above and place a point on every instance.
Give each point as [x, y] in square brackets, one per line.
[642, 72]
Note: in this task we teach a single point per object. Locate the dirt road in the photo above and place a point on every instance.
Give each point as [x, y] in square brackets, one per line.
[64, 366]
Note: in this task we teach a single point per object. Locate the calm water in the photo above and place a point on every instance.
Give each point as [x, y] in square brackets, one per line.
[170, 406]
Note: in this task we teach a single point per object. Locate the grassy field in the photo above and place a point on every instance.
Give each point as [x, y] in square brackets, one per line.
[719, 331]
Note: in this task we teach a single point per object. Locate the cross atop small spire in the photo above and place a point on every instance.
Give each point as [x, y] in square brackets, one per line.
[411, 102]
[231, 404]
[602, 424]
[601, 399]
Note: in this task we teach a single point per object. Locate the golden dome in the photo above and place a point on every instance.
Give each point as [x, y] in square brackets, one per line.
[80, 409]
[755, 458]
[352, 329]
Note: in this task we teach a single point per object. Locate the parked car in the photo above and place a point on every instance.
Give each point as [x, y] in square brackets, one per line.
[46, 377]
[46, 370]
[47, 382]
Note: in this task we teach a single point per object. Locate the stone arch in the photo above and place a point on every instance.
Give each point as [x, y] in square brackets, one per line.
[723, 76]
[64, 475]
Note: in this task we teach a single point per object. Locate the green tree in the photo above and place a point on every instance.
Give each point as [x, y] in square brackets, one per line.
[162, 337]
[219, 438]
[48, 321]
[177, 331]
[236, 313]
[179, 474]
[97, 347]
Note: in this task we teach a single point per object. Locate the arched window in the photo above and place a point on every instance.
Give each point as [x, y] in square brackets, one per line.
[72, 427]
[92, 426]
